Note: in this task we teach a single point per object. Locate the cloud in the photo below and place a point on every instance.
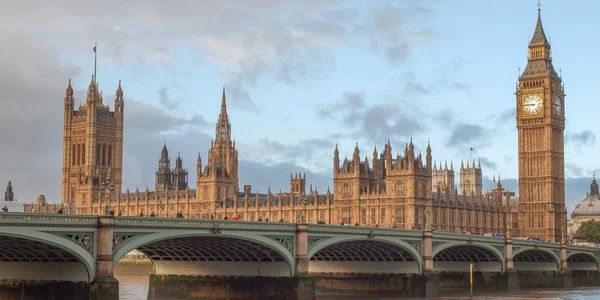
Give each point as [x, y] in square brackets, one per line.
[314, 152]
[262, 38]
[573, 170]
[488, 164]
[375, 122]
[507, 116]
[585, 138]
[165, 101]
[466, 135]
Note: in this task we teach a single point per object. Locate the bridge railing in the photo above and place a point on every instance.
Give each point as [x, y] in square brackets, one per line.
[583, 249]
[25, 219]
[326, 228]
[180, 223]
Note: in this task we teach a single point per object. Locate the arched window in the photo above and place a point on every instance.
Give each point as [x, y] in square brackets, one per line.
[399, 188]
[346, 191]
[83, 154]
[98, 153]
[109, 159]
[104, 155]
[73, 155]
[78, 154]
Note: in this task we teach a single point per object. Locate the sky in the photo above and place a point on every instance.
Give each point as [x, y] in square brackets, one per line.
[300, 77]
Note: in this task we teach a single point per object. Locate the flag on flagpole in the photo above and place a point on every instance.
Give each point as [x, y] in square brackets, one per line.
[95, 45]
[471, 149]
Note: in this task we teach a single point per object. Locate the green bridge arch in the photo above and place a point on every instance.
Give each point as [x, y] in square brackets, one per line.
[33, 234]
[487, 247]
[390, 240]
[264, 240]
[540, 249]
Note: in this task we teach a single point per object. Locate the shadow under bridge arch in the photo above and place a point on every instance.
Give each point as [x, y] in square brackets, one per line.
[535, 259]
[225, 254]
[456, 257]
[34, 255]
[380, 254]
[582, 261]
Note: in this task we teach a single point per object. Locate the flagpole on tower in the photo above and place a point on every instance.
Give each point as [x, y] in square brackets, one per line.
[470, 152]
[95, 56]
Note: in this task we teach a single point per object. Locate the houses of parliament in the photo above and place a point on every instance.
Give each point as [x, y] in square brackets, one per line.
[407, 190]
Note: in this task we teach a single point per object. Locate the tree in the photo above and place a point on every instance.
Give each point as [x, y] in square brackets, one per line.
[590, 231]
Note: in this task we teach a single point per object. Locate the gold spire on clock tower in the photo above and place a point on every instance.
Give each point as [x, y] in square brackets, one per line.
[541, 124]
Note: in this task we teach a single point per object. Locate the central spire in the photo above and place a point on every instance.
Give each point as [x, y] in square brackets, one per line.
[223, 105]
[223, 127]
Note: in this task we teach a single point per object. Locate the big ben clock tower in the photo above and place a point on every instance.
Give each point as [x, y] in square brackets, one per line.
[541, 126]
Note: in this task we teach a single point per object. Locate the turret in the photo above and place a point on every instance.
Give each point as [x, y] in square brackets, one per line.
[428, 157]
[119, 103]
[69, 100]
[336, 160]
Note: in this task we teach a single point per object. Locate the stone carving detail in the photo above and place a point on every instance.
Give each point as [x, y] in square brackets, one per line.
[286, 241]
[83, 239]
[435, 244]
[500, 248]
[416, 245]
[312, 240]
[121, 238]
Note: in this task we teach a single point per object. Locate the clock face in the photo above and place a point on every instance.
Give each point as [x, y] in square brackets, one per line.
[558, 106]
[532, 105]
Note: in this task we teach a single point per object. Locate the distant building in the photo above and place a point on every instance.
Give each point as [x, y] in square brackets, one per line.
[9, 195]
[9, 201]
[588, 209]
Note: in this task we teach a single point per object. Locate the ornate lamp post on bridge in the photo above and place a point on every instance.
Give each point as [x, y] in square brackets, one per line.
[562, 235]
[427, 213]
[108, 187]
[508, 223]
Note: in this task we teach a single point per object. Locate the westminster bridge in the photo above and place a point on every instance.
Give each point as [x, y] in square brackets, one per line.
[54, 253]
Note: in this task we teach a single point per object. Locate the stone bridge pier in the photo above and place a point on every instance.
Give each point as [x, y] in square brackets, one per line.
[105, 285]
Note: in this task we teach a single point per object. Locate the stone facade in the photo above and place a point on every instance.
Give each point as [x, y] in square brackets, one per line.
[588, 209]
[92, 148]
[402, 191]
[540, 122]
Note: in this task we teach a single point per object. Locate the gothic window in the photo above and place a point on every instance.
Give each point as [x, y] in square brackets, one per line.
[109, 160]
[98, 153]
[373, 216]
[346, 190]
[399, 188]
[222, 132]
[346, 215]
[382, 216]
[364, 216]
[74, 154]
[79, 154]
[104, 155]
[204, 193]
[83, 154]
[400, 214]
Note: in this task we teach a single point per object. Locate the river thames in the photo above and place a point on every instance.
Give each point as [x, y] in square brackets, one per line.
[135, 287]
